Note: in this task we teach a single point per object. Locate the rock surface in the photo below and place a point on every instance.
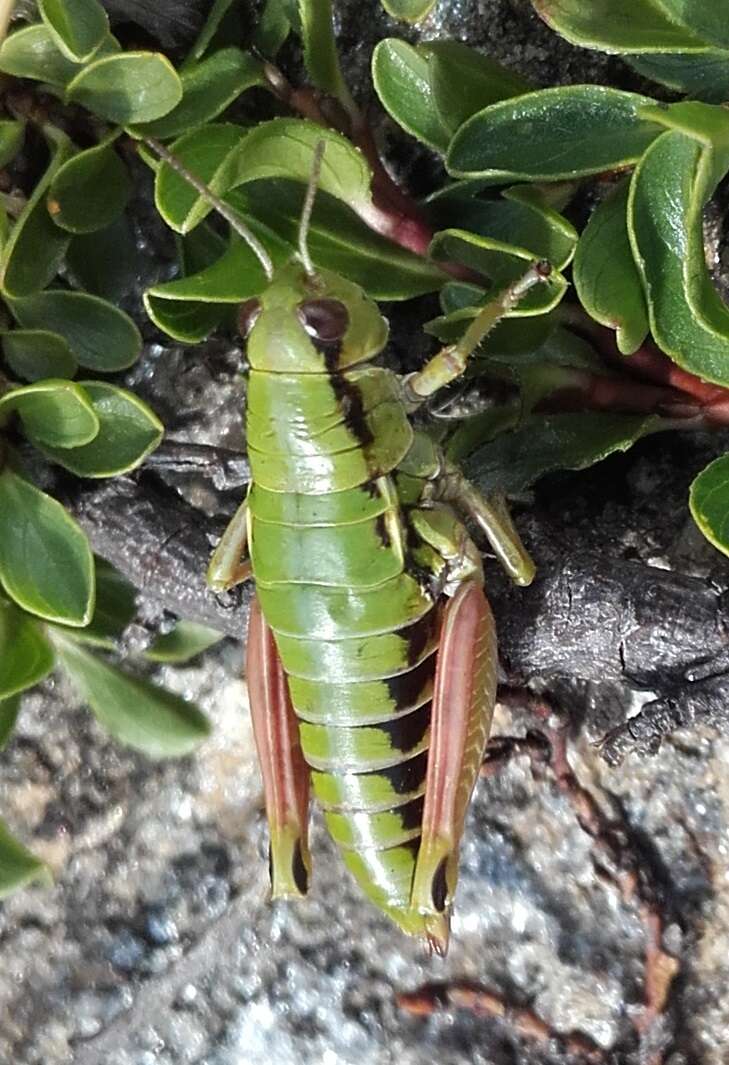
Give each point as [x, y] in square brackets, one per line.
[156, 944]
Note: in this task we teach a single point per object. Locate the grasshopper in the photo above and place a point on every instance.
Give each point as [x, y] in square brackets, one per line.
[371, 659]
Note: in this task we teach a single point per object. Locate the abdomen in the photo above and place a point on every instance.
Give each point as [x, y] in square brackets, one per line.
[357, 634]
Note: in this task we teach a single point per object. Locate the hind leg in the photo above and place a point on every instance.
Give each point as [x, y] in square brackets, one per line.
[285, 773]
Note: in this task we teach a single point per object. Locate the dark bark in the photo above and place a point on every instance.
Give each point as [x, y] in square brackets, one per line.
[600, 609]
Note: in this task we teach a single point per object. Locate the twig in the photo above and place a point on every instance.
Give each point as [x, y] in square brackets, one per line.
[617, 855]
[484, 1002]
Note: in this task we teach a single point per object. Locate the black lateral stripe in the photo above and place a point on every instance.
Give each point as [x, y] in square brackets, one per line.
[349, 398]
[404, 777]
[406, 688]
[402, 734]
[419, 635]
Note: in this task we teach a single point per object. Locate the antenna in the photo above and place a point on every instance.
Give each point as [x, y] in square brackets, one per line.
[308, 207]
[215, 201]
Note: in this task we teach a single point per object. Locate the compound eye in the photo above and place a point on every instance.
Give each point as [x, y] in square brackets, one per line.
[325, 320]
[248, 313]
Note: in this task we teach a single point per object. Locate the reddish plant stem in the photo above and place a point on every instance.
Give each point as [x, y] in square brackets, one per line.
[648, 363]
[393, 213]
[619, 860]
[484, 1002]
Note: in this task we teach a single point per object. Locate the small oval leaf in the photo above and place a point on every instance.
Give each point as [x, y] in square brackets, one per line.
[36, 247]
[605, 275]
[128, 432]
[626, 26]
[208, 88]
[128, 88]
[501, 263]
[100, 336]
[705, 18]
[709, 502]
[33, 53]
[401, 76]
[46, 564]
[667, 193]
[26, 657]
[543, 443]
[106, 263]
[464, 81]
[56, 413]
[518, 217]
[339, 240]
[321, 57]
[35, 354]
[553, 134]
[186, 640]
[78, 27]
[90, 190]
[408, 10]
[137, 713]
[704, 75]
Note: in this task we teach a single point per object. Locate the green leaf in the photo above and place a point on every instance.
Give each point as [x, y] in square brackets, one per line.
[218, 11]
[464, 81]
[626, 26]
[31, 257]
[184, 642]
[709, 502]
[226, 157]
[704, 75]
[56, 413]
[667, 194]
[408, 10]
[208, 88]
[285, 147]
[100, 336]
[12, 135]
[544, 443]
[33, 53]
[135, 712]
[320, 49]
[519, 217]
[128, 432]
[273, 28]
[46, 564]
[127, 88]
[106, 263]
[18, 866]
[553, 134]
[35, 354]
[501, 263]
[401, 76]
[339, 240]
[199, 249]
[211, 154]
[115, 608]
[605, 275]
[78, 27]
[188, 321]
[9, 710]
[90, 190]
[26, 658]
[235, 276]
[706, 18]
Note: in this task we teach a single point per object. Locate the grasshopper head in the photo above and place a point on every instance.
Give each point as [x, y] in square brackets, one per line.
[316, 323]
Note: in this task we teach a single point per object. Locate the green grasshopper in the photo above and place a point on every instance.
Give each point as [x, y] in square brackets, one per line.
[371, 659]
